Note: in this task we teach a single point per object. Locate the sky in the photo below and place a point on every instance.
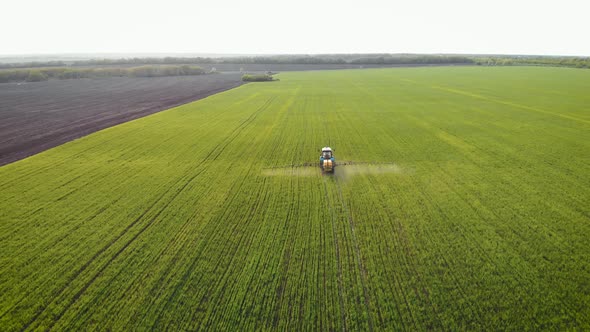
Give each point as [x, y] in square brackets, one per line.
[295, 27]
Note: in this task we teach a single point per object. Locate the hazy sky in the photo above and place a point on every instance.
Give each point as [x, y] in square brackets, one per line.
[301, 26]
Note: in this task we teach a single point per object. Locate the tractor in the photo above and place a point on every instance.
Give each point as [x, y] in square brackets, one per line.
[327, 160]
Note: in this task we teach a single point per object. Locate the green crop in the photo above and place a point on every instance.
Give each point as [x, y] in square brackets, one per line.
[473, 212]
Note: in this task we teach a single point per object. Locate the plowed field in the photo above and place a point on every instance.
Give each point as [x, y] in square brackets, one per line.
[37, 116]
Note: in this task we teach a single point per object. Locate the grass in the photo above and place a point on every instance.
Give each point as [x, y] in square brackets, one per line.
[175, 221]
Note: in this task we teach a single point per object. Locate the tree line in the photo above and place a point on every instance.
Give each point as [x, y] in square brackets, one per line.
[43, 74]
[575, 62]
[357, 59]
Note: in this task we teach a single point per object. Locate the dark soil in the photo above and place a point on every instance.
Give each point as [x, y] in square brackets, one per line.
[37, 116]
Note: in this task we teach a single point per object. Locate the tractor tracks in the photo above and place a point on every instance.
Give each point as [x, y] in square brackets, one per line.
[108, 246]
[361, 267]
[218, 150]
[338, 262]
[355, 246]
[212, 155]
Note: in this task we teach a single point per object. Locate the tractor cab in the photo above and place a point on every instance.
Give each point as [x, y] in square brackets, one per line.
[327, 153]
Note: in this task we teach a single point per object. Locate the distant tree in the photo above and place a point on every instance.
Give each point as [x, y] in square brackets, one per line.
[257, 78]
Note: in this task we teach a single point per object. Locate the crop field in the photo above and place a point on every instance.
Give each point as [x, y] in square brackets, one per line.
[468, 209]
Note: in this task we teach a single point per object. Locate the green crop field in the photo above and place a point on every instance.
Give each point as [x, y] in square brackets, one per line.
[471, 211]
